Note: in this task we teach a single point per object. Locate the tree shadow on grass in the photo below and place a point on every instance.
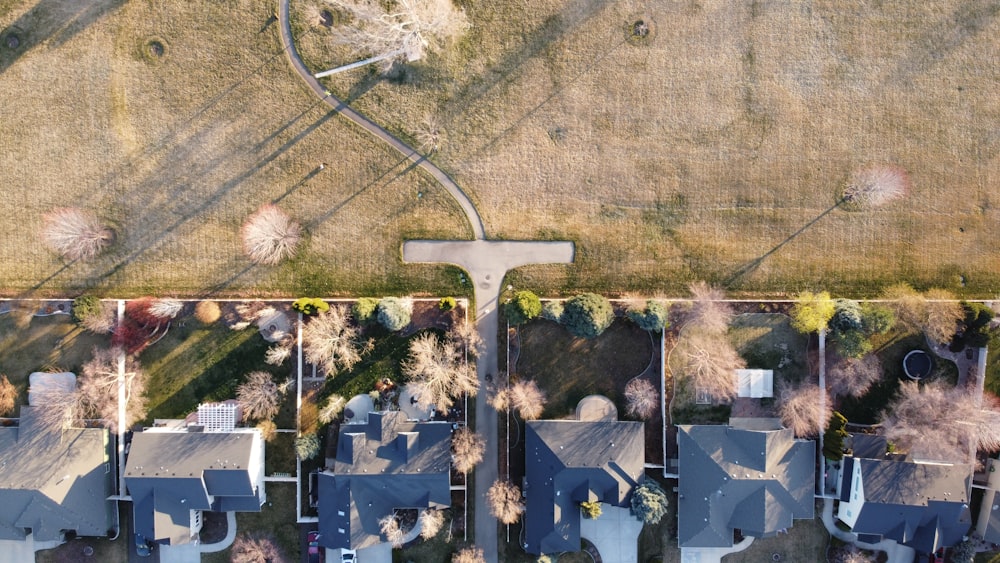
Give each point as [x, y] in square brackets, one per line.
[50, 21]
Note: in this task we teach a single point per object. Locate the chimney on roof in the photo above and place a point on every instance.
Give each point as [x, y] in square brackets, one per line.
[351, 446]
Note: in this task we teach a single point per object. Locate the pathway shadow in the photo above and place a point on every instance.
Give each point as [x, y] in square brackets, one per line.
[752, 265]
[376, 181]
[50, 21]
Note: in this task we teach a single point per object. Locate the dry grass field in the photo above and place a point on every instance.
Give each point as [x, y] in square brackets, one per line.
[717, 148]
[177, 144]
[714, 149]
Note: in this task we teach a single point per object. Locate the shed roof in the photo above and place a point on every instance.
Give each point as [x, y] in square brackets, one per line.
[754, 383]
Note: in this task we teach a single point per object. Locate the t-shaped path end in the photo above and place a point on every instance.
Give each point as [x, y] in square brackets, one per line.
[487, 262]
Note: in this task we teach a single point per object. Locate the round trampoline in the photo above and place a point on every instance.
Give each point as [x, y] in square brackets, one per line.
[917, 364]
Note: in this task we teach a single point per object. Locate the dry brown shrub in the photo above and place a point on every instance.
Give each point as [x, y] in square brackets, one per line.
[256, 548]
[270, 235]
[8, 396]
[853, 376]
[389, 526]
[268, 430]
[641, 398]
[876, 186]
[471, 554]
[527, 399]
[76, 234]
[504, 499]
[467, 449]
[207, 312]
[803, 409]
[259, 396]
[431, 522]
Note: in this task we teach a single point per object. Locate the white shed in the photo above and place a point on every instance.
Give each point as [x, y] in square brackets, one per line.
[754, 383]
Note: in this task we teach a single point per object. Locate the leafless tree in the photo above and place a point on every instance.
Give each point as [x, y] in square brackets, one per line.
[431, 522]
[331, 340]
[467, 449]
[98, 388]
[935, 422]
[270, 235]
[801, 408]
[527, 399]
[406, 31]
[431, 135]
[853, 376]
[709, 313]
[389, 526]
[909, 306]
[641, 398]
[504, 499]
[259, 396]
[280, 351]
[8, 396]
[708, 361]
[499, 398]
[877, 185]
[466, 335]
[471, 554]
[102, 321]
[76, 234]
[332, 408]
[943, 314]
[166, 308]
[438, 372]
[256, 548]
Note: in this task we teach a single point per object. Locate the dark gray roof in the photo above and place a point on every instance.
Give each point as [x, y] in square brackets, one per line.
[570, 461]
[922, 505]
[757, 481]
[53, 480]
[992, 533]
[384, 464]
[169, 474]
[868, 446]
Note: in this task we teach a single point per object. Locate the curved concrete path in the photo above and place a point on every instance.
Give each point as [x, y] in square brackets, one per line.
[288, 43]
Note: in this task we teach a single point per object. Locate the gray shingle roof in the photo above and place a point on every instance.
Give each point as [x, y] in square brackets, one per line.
[381, 465]
[569, 461]
[922, 505]
[54, 480]
[757, 481]
[169, 474]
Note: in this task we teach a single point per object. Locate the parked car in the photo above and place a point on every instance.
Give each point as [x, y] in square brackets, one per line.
[142, 547]
[316, 553]
[349, 556]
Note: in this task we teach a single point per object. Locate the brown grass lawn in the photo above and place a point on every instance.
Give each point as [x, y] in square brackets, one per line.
[725, 137]
[569, 368]
[177, 150]
[805, 541]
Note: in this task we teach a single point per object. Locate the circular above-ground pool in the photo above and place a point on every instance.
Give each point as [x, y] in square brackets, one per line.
[917, 364]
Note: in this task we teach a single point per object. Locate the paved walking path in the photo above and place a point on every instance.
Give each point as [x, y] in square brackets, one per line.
[486, 263]
[287, 41]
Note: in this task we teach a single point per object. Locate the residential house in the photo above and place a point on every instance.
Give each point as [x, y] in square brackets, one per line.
[572, 461]
[55, 482]
[175, 475]
[383, 463]
[924, 505]
[752, 476]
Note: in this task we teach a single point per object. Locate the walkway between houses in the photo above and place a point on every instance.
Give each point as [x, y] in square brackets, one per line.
[287, 42]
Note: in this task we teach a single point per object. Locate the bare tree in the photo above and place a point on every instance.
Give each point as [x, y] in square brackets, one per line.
[467, 449]
[802, 409]
[8, 396]
[431, 135]
[389, 526]
[256, 548]
[332, 408]
[527, 399]
[278, 353]
[471, 554]
[331, 341]
[709, 312]
[504, 499]
[943, 315]
[641, 398]
[431, 522]
[877, 185]
[98, 388]
[853, 376]
[438, 372]
[934, 422]
[708, 362]
[76, 234]
[259, 396]
[166, 308]
[909, 306]
[407, 31]
[270, 235]
[466, 335]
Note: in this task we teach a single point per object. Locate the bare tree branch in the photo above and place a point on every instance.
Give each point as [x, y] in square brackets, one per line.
[98, 388]
[853, 377]
[259, 396]
[641, 398]
[76, 234]
[270, 235]
[467, 449]
[800, 408]
[431, 522]
[330, 340]
[709, 361]
[438, 372]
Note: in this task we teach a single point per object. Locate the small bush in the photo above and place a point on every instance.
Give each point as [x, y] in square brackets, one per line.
[447, 303]
[76, 234]
[310, 305]
[270, 235]
[649, 502]
[93, 314]
[523, 307]
[307, 446]
[365, 311]
[552, 310]
[587, 315]
[590, 510]
[653, 318]
[394, 313]
[207, 312]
